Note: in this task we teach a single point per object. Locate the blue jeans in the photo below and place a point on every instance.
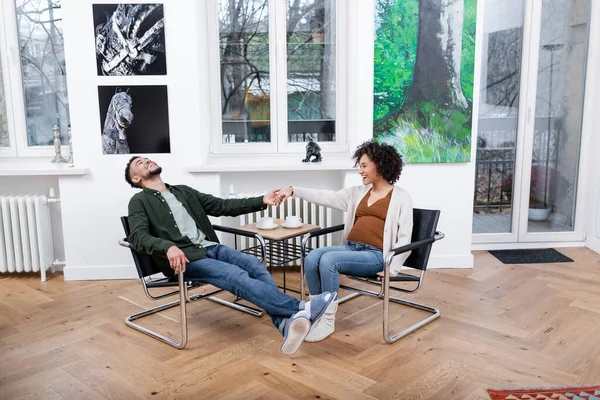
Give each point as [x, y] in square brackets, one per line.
[246, 277]
[322, 267]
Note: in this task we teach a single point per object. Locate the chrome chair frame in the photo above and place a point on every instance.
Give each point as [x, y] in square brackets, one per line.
[384, 282]
[182, 291]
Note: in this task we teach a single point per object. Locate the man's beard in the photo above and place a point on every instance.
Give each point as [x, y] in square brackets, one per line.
[155, 171]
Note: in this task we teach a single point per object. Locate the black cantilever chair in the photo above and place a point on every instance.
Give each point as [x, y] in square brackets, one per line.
[146, 268]
[423, 236]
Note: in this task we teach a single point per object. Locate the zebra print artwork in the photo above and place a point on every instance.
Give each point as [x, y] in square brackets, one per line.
[134, 119]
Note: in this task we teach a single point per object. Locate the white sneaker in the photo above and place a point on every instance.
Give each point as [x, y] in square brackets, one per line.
[325, 326]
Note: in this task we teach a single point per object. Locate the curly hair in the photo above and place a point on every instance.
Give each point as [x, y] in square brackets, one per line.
[388, 161]
[128, 173]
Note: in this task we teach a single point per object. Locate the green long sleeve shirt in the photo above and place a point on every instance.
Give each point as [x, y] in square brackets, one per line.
[153, 229]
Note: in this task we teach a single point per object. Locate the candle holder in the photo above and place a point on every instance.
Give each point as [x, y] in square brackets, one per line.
[58, 158]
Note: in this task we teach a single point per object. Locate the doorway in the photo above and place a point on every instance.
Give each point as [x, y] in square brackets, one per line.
[529, 123]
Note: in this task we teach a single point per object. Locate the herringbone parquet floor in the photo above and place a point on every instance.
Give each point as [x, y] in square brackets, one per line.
[501, 325]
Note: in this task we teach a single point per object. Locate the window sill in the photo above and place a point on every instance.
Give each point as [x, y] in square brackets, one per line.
[22, 167]
[261, 163]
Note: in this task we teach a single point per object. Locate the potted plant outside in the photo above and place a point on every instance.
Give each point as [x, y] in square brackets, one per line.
[542, 191]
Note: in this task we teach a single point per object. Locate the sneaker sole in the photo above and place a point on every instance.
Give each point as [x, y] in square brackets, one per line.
[296, 333]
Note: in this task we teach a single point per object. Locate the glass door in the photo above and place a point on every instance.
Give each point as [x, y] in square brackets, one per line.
[549, 203]
[530, 112]
[500, 123]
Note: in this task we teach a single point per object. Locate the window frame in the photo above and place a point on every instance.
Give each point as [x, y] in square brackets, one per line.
[279, 143]
[13, 89]
[11, 150]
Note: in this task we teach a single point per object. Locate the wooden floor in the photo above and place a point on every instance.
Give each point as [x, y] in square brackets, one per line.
[501, 326]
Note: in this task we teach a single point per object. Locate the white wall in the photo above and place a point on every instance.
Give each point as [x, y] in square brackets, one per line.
[92, 204]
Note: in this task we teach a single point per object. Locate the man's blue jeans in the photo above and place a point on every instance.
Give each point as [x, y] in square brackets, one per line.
[246, 277]
[322, 267]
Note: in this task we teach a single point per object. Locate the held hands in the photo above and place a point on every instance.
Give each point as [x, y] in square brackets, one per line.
[277, 196]
[177, 259]
[271, 197]
[282, 195]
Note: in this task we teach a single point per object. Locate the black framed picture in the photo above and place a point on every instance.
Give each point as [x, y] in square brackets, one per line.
[130, 39]
[134, 119]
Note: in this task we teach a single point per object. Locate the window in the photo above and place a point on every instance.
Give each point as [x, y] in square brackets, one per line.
[4, 139]
[278, 75]
[35, 83]
[245, 75]
[311, 70]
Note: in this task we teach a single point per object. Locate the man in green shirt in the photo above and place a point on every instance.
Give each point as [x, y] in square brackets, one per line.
[170, 222]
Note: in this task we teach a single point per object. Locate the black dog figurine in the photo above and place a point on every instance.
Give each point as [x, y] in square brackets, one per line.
[313, 150]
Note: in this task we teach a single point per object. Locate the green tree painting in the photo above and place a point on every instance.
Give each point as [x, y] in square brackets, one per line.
[423, 79]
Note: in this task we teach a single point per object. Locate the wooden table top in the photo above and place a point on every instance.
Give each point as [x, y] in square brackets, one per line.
[280, 233]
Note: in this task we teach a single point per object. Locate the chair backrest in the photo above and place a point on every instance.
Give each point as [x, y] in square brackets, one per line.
[144, 263]
[424, 226]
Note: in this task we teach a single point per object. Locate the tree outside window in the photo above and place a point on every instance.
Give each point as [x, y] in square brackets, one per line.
[245, 83]
[43, 69]
[311, 70]
[4, 140]
[246, 68]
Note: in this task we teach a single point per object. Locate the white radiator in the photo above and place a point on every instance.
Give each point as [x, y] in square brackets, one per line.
[309, 212]
[25, 234]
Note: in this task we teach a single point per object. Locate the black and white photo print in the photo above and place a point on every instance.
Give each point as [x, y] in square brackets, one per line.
[130, 39]
[134, 119]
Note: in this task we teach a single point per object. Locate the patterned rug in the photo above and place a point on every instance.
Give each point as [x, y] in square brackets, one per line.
[558, 393]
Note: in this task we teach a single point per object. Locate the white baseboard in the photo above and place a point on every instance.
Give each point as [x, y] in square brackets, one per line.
[593, 243]
[99, 272]
[441, 261]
